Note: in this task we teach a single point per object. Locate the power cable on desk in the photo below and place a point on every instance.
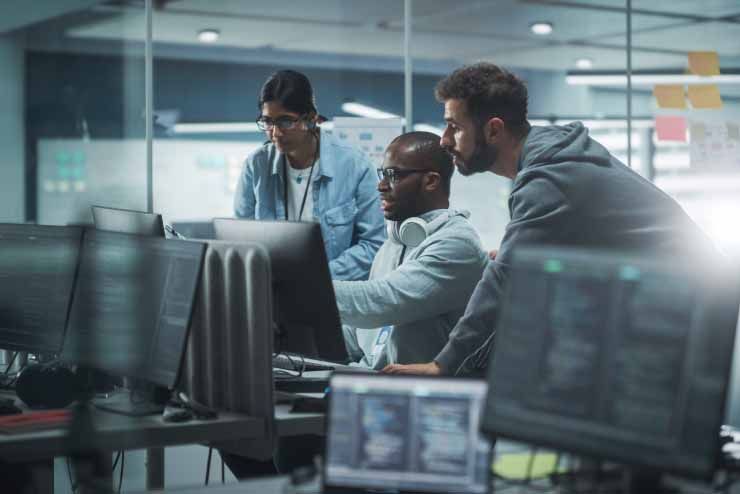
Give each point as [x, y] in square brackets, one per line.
[298, 369]
[72, 484]
[120, 474]
[10, 364]
[208, 465]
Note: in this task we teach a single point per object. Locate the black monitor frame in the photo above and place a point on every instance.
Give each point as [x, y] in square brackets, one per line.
[128, 221]
[306, 311]
[523, 408]
[51, 302]
[429, 387]
[82, 317]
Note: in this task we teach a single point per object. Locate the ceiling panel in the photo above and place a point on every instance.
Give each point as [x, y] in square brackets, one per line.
[171, 27]
[563, 58]
[703, 8]
[15, 14]
[330, 11]
[722, 37]
[463, 31]
[513, 18]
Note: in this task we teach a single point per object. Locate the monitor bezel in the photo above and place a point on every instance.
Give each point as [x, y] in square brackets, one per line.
[338, 488]
[679, 266]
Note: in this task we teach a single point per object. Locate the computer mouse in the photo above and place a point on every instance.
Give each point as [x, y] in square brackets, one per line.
[175, 414]
[8, 407]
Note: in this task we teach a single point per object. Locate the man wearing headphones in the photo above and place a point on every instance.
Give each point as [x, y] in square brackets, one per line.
[423, 275]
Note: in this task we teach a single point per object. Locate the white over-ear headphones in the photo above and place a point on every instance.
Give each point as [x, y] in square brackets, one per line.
[413, 231]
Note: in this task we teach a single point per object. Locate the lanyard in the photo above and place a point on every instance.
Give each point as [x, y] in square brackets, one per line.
[308, 183]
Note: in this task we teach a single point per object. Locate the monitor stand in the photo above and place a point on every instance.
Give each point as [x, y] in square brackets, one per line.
[142, 399]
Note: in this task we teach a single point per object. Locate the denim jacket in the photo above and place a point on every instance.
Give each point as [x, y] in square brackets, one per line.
[345, 199]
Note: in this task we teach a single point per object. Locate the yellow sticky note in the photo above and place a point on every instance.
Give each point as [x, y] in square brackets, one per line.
[704, 62]
[669, 96]
[522, 465]
[704, 96]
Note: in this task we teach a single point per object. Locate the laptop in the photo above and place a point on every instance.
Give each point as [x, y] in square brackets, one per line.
[408, 433]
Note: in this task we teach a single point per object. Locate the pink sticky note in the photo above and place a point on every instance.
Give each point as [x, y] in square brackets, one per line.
[670, 128]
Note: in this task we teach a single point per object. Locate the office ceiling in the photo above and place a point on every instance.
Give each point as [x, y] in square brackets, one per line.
[459, 31]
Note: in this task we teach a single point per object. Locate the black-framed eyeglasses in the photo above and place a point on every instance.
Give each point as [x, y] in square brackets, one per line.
[282, 123]
[393, 175]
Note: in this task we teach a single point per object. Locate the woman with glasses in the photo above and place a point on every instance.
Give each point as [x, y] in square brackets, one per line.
[304, 174]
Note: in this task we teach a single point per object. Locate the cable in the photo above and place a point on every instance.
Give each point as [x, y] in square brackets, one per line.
[115, 462]
[223, 469]
[120, 475]
[72, 484]
[10, 364]
[208, 465]
[530, 464]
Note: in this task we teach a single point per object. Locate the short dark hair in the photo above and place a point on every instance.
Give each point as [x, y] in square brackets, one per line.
[291, 89]
[488, 91]
[427, 148]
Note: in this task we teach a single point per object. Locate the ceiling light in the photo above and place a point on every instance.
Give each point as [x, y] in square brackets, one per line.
[646, 79]
[208, 35]
[541, 28]
[216, 128]
[366, 111]
[584, 63]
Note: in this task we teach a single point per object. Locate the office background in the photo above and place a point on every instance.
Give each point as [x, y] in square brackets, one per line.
[74, 89]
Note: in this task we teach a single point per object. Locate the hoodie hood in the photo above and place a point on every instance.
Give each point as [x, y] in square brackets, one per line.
[561, 143]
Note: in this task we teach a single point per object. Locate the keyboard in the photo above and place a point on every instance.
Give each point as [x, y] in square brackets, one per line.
[293, 363]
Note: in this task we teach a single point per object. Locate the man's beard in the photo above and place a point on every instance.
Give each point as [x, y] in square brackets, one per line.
[482, 159]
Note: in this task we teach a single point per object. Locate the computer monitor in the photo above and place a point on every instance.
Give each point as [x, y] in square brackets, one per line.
[37, 273]
[195, 229]
[132, 305]
[614, 358]
[303, 295]
[406, 432]
[128, 221]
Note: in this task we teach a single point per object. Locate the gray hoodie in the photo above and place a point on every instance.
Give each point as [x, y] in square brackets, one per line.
[569, 191]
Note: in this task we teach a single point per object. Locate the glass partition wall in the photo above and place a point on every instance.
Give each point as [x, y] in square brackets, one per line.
[96, 110]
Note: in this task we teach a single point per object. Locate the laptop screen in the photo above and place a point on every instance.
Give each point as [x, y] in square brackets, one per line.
[407, 432]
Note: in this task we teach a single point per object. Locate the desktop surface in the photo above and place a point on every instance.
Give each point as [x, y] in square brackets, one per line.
[37, 273]
[406, 432]
[614, 358]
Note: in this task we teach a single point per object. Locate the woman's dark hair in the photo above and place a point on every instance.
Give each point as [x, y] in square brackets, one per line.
[291, 89]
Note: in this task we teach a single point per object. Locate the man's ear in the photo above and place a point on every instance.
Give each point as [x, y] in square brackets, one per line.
[493, 130]
[433, 181]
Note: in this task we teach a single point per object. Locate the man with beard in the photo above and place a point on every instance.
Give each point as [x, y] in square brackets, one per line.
[567, 190]
[422, 277]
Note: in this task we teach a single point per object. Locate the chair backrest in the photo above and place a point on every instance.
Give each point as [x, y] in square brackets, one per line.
[229, 356]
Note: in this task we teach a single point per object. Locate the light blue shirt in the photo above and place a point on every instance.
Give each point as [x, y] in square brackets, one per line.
[345, 200]
[420, 300]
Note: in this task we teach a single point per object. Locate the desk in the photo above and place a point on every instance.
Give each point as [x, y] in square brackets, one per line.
[296, 424]
[115, 432]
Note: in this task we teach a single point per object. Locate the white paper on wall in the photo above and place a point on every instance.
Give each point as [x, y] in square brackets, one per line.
[193, 179]
[369, 135]
[714, 140]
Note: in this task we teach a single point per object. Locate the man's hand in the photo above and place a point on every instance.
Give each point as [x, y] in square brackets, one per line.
[430, 369]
